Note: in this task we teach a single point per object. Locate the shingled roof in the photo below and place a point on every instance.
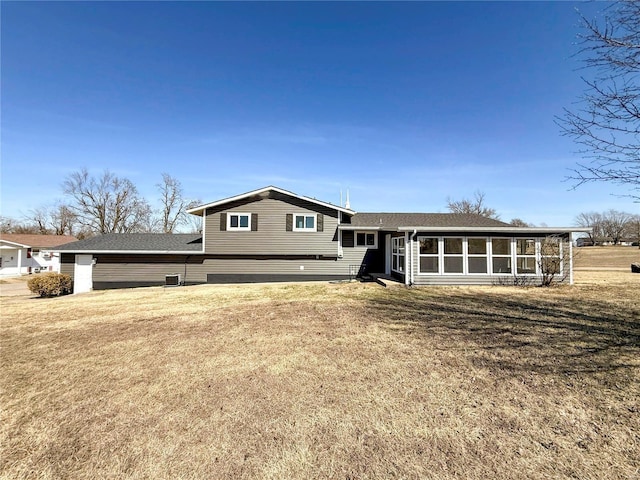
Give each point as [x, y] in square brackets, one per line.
[392, 221]
[134, 242]
[36, 240]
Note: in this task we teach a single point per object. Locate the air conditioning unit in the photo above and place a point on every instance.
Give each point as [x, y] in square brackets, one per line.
[172, 280]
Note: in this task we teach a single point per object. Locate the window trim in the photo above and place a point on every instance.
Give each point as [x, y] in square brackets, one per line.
[486, 255]
[440, 243]
[305, 215]
[509, 255]
[366, 232]
[534, 256]
[399, 255]
[238, 228]
[461, 255]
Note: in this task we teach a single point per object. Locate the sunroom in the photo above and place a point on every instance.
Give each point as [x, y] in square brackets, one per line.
[498, 256]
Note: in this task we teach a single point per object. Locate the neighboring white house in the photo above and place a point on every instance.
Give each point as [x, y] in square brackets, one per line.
[25, 253]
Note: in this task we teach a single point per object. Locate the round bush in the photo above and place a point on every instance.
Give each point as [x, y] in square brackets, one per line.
[50, 284]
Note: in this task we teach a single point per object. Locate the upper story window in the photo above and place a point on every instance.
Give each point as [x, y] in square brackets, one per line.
[367, 239]
[238, 221]
[304, 223]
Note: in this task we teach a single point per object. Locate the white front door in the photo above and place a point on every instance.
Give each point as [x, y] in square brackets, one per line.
[83, 274]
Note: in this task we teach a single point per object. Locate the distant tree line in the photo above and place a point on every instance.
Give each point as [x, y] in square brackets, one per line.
[611, 225]
[108, 204]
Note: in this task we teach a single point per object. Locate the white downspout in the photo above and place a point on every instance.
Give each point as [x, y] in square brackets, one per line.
[412, 256]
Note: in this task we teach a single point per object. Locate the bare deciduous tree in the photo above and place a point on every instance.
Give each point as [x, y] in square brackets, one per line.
[56, 220]
[615, 223]
[106, 204]
[174, 204]
[633, 229]
[11, 225]
[595, 222]
[611, 225]
[554, 260]
[606, 122]
[518, 222]
[193, 223]
[476, 206]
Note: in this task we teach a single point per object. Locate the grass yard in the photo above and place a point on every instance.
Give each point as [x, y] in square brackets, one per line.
[343, 381]
[606, 258]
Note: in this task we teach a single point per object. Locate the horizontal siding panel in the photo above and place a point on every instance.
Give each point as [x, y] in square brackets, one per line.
[272, 236]
[152, 269]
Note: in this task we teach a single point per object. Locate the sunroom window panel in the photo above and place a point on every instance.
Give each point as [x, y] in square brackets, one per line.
[501, 246]
[501, 264]
[526, 246]
[429, 265]
[453, 246]
[453, 265]
[477, 264]
[428, 246]
[477, 246]
[526, 264]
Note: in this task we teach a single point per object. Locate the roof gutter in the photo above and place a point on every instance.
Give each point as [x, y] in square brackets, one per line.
[541, 230]
[129, 252]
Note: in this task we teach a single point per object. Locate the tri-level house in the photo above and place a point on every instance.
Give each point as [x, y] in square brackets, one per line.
[273, 235]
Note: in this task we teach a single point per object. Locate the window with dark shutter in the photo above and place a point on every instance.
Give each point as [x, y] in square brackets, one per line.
[254, 222]
[289, 225]
[320, 223]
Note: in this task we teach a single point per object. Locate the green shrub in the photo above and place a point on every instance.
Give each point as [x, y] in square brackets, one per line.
[50, 284]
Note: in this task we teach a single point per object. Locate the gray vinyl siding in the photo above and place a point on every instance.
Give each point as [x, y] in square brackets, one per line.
[272, 237]
[116, 270]
[67, 262]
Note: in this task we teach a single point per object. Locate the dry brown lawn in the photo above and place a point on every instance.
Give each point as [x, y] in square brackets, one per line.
[316, 381]
[607, 258]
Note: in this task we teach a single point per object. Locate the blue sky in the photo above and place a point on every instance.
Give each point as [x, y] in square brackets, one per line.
[404, 104]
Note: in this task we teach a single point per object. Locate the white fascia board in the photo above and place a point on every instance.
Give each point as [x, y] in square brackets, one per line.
[200, 210]
[541, 230]
[19, 245]
[132, 252]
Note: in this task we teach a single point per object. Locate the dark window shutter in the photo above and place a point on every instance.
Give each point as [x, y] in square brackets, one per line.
[347, 239]
[254, 222]
[320, 221]
[289, 222]
[223, 222]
